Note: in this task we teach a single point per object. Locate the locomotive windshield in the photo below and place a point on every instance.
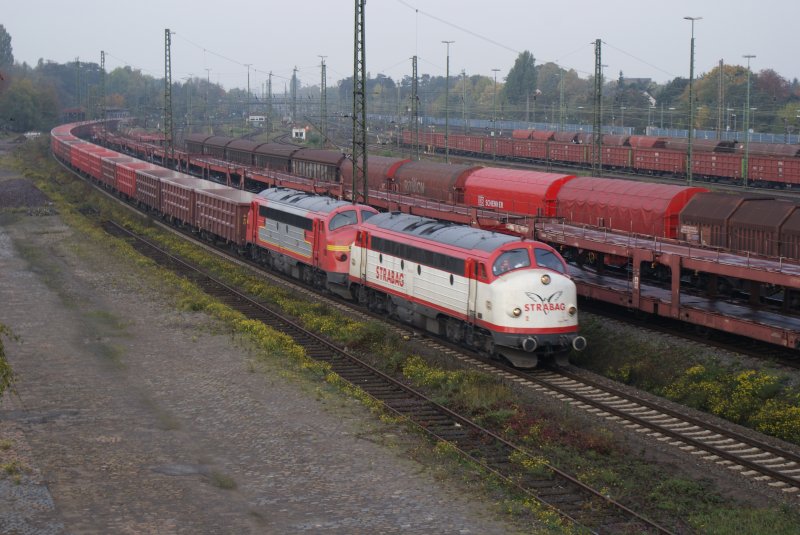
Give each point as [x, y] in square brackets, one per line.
[513, 259]
[548, 259]
[343, 219]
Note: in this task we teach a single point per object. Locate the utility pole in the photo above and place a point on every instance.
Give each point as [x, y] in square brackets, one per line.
[269, 102]
[78, 82]
[207, 114]
[248, 91]
[446, 108]
[169, 142]
[360, 105]
[494, 116]
[691, 104]
[746, 170]
[561, 100]
[597, 126]
[323, 103]
[720, 99]
[414, 108]
[464, 100]
[294, 94]
[103, 84]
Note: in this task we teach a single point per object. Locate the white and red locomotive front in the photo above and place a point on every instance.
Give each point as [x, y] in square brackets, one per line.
[305, 236]
[500, 294]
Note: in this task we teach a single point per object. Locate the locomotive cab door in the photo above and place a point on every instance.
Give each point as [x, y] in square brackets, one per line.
[472, 290]
[363, 242]
[317, 229]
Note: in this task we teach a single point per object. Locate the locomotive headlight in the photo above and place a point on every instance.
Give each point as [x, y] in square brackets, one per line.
[572, 310]
[545, 279]
[516, 312]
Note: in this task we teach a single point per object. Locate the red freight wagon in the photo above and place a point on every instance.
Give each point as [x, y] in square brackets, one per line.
[704, 219]
[148, 185]
[790, 236]
[755, 227]
[194, 143]
[380, 173]
[215, 146]
[434, 181]
[126, 176]
[89, 159]
[717, 164]
[503, 146]
[659, 161]
[467, 144]
[623, 205]
[773, 169]
[109, 169]
[568, 152]
[223, 213]
[530, 149]
[241, 151]
[616, 157]
[178, 199]
[319, 164]
[67, 148]
[509, 190]
[275, 156]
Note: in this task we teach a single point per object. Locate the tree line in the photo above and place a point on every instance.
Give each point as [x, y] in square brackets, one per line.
[38, 97]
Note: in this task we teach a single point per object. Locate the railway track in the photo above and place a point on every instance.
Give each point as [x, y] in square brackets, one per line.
[573, 500]
[752, 458]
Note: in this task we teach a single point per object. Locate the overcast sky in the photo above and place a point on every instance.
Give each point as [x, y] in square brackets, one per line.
[642, 39]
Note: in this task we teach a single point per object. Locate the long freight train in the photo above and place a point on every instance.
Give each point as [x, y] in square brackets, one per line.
[768, 165]
[746, 223]
[503, 295]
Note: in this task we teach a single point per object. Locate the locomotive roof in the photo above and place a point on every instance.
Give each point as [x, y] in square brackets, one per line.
[441, 231]
[300, 199]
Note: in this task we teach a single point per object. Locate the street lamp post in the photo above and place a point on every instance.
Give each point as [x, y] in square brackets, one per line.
[494, 117]
[446, 108]
[745, 171]
[248, 65]
[691, 103]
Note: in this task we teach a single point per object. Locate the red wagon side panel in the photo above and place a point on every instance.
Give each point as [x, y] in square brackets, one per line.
[509, 190]
[109, 169]
[148, 185]
[436, 181]
[627, 206]
[755, 226]
[126, 176]
[568, 152]
[530, 149]
[659, 160]
[716, 164]
[223, 212]
[773, 169]
[178, 197]
[704, 219]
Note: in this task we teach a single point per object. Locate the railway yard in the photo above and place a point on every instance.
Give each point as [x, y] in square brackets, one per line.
[116, 417]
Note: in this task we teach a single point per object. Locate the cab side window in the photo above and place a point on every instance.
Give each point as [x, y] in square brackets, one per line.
[513, 259]
[548, 259]
[343, 219]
